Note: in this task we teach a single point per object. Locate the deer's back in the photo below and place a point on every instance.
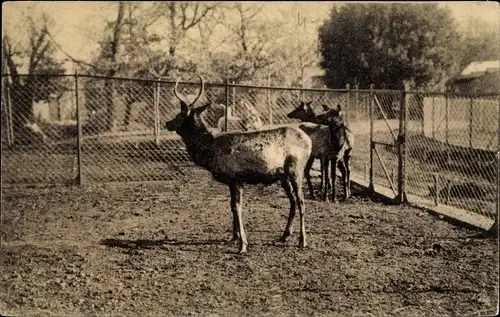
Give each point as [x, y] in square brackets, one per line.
[262, 152]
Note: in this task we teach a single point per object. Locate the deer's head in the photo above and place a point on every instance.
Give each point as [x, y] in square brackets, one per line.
[332, 116]
[185, 120]
[303, 111]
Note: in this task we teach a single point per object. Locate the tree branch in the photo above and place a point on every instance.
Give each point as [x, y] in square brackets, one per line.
[204, 13]
[7, 51]
[74, 60]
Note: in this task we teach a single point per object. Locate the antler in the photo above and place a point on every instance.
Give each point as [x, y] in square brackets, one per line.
[175, 91]
[201, 90]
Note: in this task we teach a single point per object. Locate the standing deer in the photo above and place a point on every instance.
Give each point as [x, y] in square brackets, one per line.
[251, 157]
[342, 140]
[325, 147]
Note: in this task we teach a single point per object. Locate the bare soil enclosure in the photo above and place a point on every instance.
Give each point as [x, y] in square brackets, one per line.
[161, 248]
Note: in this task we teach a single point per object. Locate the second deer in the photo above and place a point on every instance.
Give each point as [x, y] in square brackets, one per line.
[332, 144]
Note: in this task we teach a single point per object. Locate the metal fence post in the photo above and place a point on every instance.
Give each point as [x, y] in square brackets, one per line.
[357, 101]
[233, 96]
[494, 230]
[471, 113]
[436, 187]
[79, 177]
[227, 105]
[433, 119]
[372, 144]
[269, 98]
[446, 132]
[348, 107]
[156, 112]
[403, 118]
[8, 116]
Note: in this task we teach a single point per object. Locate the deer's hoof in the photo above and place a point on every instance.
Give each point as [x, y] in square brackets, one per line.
[243, 250]
[284, 237]
[302, 244]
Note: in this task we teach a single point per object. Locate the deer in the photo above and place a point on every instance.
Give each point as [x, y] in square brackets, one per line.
[342, 141]
[246, 157]
[324, 148]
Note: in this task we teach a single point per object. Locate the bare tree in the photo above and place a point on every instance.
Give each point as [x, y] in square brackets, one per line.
[37, 54]
[254, 39]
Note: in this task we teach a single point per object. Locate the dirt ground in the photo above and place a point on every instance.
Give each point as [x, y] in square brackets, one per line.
[161, 248]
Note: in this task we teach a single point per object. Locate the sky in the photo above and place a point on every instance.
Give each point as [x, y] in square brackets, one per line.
[78, 22]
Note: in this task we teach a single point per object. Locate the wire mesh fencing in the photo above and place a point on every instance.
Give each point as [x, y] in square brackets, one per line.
[452, 150]
[67, 129]
[38, 130]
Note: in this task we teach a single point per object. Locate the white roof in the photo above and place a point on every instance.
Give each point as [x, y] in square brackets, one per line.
[480, 66]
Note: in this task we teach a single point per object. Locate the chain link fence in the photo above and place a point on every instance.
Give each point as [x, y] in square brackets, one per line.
[452, 150]
[88, 129]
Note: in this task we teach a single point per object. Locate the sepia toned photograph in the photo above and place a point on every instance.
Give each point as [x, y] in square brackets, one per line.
[250, 158]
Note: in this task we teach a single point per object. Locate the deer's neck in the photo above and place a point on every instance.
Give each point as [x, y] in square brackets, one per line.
[337, 135]
[311, 117]
[199, 143]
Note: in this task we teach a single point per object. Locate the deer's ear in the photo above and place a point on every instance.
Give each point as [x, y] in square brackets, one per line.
[199, 110]
[325, 108]
[339, 108]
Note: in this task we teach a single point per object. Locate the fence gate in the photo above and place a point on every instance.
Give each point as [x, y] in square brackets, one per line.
[384, 135]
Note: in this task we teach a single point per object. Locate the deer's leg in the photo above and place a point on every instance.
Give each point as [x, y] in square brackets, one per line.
[347, 157]
[233, 192]
[334, 169]
[343, 171]
[296, 183]
[287, 186]
[238, 192]
[326, 178]
[308, 176]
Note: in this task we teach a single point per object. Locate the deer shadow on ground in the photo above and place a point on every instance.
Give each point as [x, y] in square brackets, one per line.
[140, 244]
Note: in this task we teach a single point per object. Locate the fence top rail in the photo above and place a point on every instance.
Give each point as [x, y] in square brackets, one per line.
[453, 95]
[249, 86]
[39, 75]
[171, 82]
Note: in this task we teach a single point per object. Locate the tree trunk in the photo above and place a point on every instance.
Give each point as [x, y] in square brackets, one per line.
[109, 85]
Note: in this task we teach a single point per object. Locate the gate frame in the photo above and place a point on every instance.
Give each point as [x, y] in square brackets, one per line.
[399, 141]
